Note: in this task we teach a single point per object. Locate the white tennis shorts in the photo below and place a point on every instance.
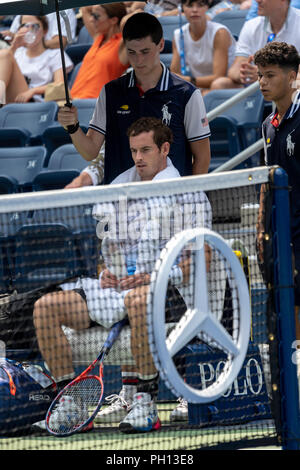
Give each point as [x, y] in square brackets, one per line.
[105, 306]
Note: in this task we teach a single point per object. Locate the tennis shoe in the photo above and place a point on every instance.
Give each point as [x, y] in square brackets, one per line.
[68, 414]
[143, 415]
[180, 413]
[118, 408]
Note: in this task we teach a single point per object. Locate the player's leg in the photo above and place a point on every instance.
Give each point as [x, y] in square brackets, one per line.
[143, 415]
[51, 312]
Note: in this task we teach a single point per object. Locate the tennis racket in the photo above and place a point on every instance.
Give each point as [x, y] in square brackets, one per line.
[76, 406]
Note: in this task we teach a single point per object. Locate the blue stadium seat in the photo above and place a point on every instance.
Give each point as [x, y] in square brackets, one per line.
[247, 115]
[85, 110]
[73, 74]
[233, 19]
[33, 118]
[5, 265]
[224, 141]
[22, 164]
[13, 137]
[8, 184]
[167, 47]
[166, 59]
[64, 165]
[55, 135]
[44, 253]
[76, 52]
[81, 223]
[169, 24]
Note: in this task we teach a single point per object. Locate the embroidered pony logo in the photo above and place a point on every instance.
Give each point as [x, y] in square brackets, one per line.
[290, 145]
[166, 116]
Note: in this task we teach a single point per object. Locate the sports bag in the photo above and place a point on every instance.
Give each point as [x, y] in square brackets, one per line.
[26, 393]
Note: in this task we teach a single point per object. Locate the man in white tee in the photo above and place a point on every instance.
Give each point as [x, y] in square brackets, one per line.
[276, 20]
[119, 293]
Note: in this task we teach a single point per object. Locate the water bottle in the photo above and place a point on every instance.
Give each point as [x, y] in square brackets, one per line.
[2, 351]
[29, 37]
[37, 374]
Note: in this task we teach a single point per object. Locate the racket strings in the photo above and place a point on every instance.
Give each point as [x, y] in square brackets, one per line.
[76, 405]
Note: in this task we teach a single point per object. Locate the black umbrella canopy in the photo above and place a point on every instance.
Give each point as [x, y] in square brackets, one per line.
[43, 7]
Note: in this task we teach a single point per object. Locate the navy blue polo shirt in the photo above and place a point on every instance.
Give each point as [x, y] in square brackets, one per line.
[176, 102]
[282, 147]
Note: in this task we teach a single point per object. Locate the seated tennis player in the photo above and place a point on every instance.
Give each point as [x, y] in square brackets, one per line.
[118, 294]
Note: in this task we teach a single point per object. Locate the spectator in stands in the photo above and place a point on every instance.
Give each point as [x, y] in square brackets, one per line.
[28, 66]
[148, 89]
[277, 20]
[106, 59]
[89, 21]
[252, 13]
[156, 7]
[51, 37]
[227, 5]
[278, 64]
[108, 301]
[207, 47]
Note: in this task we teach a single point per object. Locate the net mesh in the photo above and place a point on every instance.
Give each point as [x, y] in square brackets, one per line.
[75, 262]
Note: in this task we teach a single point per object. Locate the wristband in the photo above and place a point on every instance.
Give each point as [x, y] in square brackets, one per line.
[73, 128]
[193, 81]
[176, 276]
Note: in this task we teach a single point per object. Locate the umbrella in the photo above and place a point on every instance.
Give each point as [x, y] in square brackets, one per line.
[43, 7]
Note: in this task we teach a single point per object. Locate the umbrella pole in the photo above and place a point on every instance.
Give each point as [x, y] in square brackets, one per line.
[68, 103]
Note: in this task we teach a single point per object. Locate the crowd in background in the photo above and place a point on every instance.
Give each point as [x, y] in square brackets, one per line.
[30, 58]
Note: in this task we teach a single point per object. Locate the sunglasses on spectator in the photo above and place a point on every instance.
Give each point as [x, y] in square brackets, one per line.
[34, 26]
[96, 16]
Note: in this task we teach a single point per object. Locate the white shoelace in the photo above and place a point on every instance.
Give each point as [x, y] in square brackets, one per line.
[115, 400]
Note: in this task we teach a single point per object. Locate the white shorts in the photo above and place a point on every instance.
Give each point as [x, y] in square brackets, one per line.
[105, 306]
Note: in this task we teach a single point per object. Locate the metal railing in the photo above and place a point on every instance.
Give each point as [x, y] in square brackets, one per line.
[252, 149]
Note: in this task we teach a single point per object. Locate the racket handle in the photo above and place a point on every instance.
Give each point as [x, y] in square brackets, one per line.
[114, 333]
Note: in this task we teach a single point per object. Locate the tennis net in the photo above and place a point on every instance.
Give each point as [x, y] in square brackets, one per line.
[181, 259]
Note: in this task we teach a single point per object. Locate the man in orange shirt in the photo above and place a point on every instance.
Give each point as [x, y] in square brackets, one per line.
[107, 58]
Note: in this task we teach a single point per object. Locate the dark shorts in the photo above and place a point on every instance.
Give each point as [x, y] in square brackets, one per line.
[82, 294]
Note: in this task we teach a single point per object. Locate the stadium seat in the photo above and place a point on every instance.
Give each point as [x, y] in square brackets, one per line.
[247, 115]
[233, 19]
[76, 52]
[5, 265]
[73, 74]
[13, 137]
[169, 24]
[85, 110]
[81, 223]
[8, 185]
[224, 140]
[43, 253]
[166, 59]
[32, 118]
[64, 165]
[55, 135]
[167, 47]
[22, 164]
[84, 36]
